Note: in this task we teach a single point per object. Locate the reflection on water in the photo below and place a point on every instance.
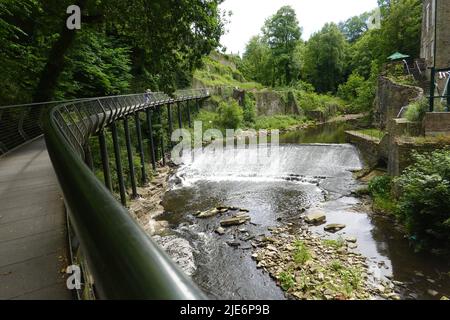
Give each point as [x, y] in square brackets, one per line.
[313, 170]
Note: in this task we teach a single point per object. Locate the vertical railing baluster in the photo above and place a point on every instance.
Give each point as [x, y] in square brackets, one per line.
[88, 156]
[150, 137]
[188, 113]
[115, 137]
[126, 126]
[141, 147]
[180, 121]
[105, 160]
[163, 156]
[169, 116]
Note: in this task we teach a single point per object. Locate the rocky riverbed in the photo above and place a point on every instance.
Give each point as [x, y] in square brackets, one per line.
[309, 267]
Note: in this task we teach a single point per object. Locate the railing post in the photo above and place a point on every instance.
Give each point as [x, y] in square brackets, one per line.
[105, 160]
[115, 137]
[180, 121]
[130, 158]
[169, 115]
[197, 104]
[432, 89]
[88, 156]
[150, 138]
[188, 113]
[163, 156]
[141, 147]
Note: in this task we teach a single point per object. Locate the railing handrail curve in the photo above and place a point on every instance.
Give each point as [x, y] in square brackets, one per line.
[124, 260]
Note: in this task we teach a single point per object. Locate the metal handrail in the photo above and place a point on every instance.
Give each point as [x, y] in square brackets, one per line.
[124, 260]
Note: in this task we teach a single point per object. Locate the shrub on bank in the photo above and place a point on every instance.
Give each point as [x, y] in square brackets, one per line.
[422, 200]
[380, 189]
[230, 115]
[416, 110]
[424, 204]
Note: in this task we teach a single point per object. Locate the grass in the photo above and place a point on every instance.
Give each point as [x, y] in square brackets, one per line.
[287, 280]
[374, 133]
[336, 244]
[214, 74]
[351, 278]
[384, 204]
[281, 122]
[336, 265]
[301, 253]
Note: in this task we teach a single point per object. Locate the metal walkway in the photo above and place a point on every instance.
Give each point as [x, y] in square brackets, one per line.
[33, 241]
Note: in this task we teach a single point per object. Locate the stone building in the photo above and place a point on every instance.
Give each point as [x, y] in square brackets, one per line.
[436, 16]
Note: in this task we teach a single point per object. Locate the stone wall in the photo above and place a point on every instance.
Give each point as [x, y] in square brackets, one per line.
[270, 103]
[391, 97]
[369, 147]
[400, 153]
[436, 123]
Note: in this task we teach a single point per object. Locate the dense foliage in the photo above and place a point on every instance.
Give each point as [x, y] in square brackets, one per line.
[424, 202]
[122, 46]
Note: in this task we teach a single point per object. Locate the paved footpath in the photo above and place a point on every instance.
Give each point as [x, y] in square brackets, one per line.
[33, 240]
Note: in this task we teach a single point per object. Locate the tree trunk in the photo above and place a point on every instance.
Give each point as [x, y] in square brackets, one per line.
[55, 64]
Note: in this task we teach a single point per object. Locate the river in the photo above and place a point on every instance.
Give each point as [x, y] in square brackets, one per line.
[312, 168]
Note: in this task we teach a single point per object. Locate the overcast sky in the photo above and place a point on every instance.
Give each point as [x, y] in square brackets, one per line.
[249, 16]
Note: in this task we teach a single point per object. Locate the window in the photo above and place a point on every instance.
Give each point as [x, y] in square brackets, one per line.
[433, 12]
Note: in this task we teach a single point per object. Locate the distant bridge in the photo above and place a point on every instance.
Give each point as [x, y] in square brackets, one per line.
[101, 236]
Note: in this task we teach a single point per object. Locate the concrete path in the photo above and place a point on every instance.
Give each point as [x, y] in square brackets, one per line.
[33, 240]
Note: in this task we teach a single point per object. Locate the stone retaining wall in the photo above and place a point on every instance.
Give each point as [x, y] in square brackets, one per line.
[369, 147]
[391, 97]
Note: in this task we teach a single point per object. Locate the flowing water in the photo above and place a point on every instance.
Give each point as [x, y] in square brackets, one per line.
[311, 168]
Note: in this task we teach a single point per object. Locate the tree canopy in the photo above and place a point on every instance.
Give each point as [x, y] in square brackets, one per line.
[123, 46]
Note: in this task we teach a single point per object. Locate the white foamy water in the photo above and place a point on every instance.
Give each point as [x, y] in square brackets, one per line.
[298, 163]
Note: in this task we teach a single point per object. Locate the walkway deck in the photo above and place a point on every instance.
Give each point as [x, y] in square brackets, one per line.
[33, 241]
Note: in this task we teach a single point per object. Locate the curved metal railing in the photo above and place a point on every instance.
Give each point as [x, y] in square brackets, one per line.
[124, 261]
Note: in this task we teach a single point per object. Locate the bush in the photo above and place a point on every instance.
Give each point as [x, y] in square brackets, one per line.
[249, 109]
[230, 115]
[416, 110]
[380, 186]
[358, 92]
[424, 204]
[383, 200]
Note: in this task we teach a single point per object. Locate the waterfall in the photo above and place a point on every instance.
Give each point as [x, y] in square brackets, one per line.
[262, 163]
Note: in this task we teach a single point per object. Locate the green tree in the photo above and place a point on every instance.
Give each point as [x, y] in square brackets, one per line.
[324, 59]
[282, 33]
[165, 40]
[401, 28]
[355, 27]
[257, 61]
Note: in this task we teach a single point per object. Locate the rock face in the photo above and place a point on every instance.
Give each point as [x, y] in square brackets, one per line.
[316, 217]
[269, 103]
[180, 251]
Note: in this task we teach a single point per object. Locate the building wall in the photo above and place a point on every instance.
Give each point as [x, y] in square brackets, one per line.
[442, 31]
